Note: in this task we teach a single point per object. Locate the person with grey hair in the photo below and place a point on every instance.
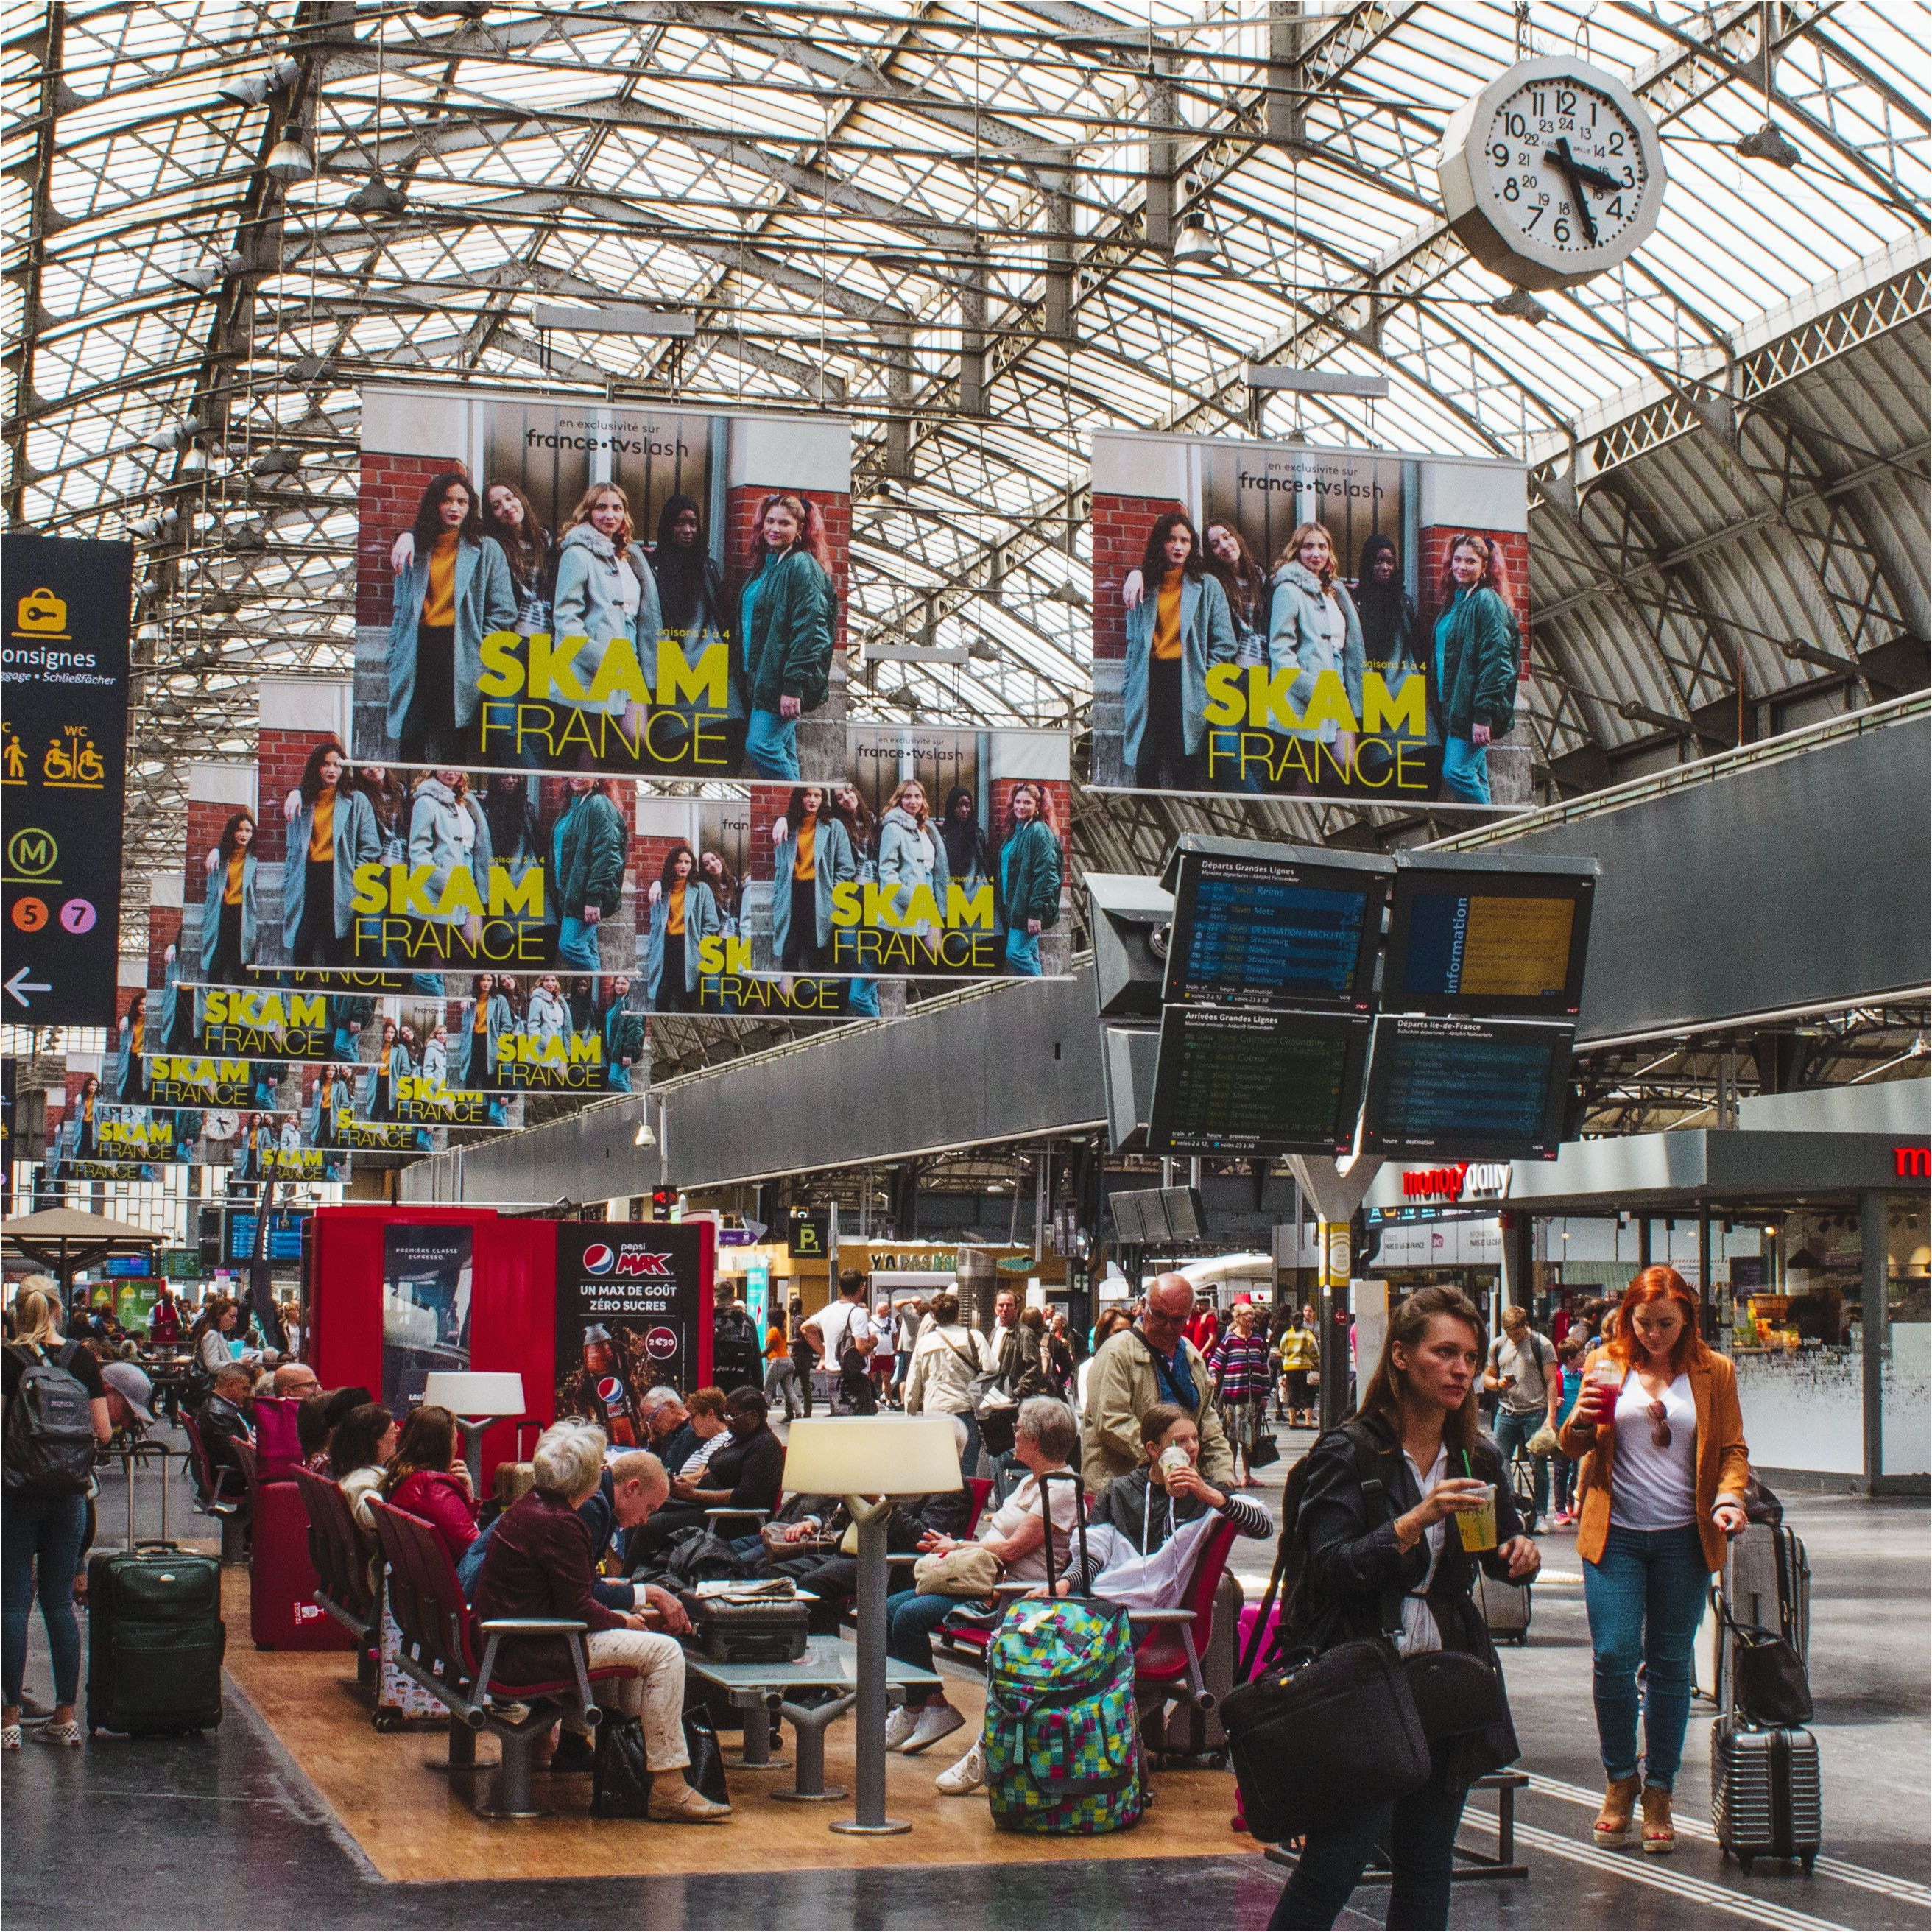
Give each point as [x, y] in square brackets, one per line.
[1045, 1438]
[667, 1424]
[539, 1565]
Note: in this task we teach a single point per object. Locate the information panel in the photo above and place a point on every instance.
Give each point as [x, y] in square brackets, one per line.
[63, 773]
[1477, 941]
[1476, 1090]
[1253, 1083]
[1260, 931]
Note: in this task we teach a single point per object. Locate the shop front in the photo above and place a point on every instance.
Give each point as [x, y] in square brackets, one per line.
[1809, 1244]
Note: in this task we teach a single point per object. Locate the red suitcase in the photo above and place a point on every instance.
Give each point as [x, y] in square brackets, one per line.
[283, 1613]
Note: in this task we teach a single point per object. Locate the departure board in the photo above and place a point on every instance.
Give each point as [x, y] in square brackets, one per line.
[1253, 1083]
[1467, 1090]
[1509, 944]
[1259, 932]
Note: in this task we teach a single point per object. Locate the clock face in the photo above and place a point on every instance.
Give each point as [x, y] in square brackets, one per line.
[1565, 167]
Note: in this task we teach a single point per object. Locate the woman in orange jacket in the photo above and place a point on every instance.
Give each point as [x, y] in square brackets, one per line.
[1665, 1467]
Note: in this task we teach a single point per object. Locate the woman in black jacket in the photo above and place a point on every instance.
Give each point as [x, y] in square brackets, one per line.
[1380, 1553]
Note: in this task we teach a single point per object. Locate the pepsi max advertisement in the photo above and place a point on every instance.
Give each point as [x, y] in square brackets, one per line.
[634, 1309]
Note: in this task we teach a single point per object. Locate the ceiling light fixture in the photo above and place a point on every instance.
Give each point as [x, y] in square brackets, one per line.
[288, 161]
[1520, 305]
[1314, 381]
[1198, 246]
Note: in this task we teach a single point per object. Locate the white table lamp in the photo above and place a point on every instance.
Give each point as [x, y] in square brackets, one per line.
[869, 1460]
[477, 1398]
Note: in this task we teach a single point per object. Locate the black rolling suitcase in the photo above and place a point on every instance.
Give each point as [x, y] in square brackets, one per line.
[1767, 1801]
[155, 1642]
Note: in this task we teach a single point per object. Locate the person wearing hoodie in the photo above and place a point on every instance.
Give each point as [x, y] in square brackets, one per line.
[1314, 635]
[606, 594]
[228, 911]
[1478, 654]
[435, 1057]
[486, 1019]
[683, 915]
[1144, 1508]
[548, 1016]
[911, 854]
[381, 1075]
[449, 834]
[332, 833]
[588, 852]
[454, 590]
[1174, 633]
[813, 854]
[1029, 876]
[623, 1036]
[787, 625]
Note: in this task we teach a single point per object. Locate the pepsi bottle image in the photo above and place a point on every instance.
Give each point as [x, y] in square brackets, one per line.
[607, 1382]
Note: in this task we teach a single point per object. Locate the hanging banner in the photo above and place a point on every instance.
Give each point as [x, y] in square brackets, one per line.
[63, 775]
[307, 1027]
[1278, 619]
[573, 586]
[426, 1283]
[269, 1148]
[634, 1309]
[186, 1080]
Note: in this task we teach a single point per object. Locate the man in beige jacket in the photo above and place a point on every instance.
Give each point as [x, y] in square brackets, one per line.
[1153, 1361]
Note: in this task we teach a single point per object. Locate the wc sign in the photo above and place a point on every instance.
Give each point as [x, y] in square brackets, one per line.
[1461, 1181]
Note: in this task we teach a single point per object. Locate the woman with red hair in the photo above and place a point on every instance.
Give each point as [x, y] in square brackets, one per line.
[1477, 651]
[1665, 1467]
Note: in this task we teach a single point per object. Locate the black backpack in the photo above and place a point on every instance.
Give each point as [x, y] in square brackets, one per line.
[48, 1444]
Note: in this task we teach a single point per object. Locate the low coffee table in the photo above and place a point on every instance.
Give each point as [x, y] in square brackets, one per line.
[829, 1663]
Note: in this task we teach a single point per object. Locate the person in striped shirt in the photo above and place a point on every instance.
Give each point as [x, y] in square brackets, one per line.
[1239, 1364]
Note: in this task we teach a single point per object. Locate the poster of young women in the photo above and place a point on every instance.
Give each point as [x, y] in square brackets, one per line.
[938, 854]
[90, 1137]
[1281, 620]
[268, 1147]
[567, 586]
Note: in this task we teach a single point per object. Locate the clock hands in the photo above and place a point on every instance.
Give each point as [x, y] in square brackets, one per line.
[1573, 172]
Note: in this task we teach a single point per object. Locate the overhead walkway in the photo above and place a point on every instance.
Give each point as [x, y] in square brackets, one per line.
[1785, 878]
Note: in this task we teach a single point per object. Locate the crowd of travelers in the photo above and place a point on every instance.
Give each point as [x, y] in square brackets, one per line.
[1163, 1423]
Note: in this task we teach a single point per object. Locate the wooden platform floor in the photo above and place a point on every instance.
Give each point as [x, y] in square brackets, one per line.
[403, 1815]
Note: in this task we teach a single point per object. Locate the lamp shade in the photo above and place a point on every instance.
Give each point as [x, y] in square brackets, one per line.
[472, 1392]
[872, 1456]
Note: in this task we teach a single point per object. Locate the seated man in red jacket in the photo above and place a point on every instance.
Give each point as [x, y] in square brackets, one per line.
[539, 1564]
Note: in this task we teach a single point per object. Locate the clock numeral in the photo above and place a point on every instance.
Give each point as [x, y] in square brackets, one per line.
[1616, 207]
[1566, 100]
[1536, 215]
[1500, 155]
[1517, 127]
[1616, 141]
[1561, 231]
[1512, 189]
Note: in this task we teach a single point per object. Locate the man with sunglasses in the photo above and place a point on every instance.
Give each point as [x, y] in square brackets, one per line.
[1522, 1374]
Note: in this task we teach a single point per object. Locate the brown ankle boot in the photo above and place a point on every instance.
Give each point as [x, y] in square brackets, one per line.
[1660, 1835]
[1613, 1821]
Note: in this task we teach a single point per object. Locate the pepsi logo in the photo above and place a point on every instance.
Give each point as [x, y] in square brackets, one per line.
[661, 1344]
[599, 1258]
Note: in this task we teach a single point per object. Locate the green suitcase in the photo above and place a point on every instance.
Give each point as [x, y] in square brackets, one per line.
[155, 1642]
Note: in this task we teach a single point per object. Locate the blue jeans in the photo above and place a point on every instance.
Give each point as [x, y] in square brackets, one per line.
[1023, 952]
[1513, 1432]
[1465, 771]
[1418, 1832]
[1645, 1597]
[576, 945]
[771, 746]
[40, 1539]
[1566, 1485]
[911, 1617]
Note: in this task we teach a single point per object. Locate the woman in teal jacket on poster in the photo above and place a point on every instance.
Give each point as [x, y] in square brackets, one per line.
[589, 851]
[814, 855]
[228, 912]
[1477, 660]
[1029, 877]
[683, 915]
[486, 1018]
[333, 831]
[605, 590]
[1180, 625]
[787, 624]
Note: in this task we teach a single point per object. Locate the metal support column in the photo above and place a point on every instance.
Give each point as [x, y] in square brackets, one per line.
[1875, 1313]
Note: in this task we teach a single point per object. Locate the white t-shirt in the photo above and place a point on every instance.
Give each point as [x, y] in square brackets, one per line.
[833, 1322]
[1023, 1505]
[1419, 1631]
[1653, 1488]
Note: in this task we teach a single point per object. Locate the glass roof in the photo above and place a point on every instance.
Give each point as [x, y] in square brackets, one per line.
[844, 196]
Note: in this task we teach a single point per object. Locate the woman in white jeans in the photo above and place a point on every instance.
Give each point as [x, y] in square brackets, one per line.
[539, 1565]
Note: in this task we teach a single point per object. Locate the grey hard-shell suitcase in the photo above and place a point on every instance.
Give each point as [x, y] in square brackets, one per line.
[1766, 1797]
[1192, 1733]
[1505, 1608]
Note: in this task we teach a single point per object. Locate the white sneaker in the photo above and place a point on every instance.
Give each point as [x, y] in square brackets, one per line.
[900, 1725]
[967, 1777]
[935, 1721]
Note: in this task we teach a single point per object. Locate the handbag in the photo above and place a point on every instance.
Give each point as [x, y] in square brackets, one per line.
[1455, 1693]
[1263, 1450]
[1770, 1685]
[620, 1778]
[970, 1570]
[1325, 1739]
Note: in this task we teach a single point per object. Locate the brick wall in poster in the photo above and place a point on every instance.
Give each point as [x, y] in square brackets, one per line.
[280, 757]
[1059, 806]
[835, 508]
[1434, 545]
[164, 925]
[391, 488]
[1120, 526]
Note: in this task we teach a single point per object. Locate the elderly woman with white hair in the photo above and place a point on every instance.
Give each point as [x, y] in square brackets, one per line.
[539, 1565]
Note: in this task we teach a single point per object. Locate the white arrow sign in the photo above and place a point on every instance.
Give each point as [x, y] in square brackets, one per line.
[20, 985]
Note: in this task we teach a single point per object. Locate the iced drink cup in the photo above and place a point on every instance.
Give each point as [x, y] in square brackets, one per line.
[1477, 1527]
